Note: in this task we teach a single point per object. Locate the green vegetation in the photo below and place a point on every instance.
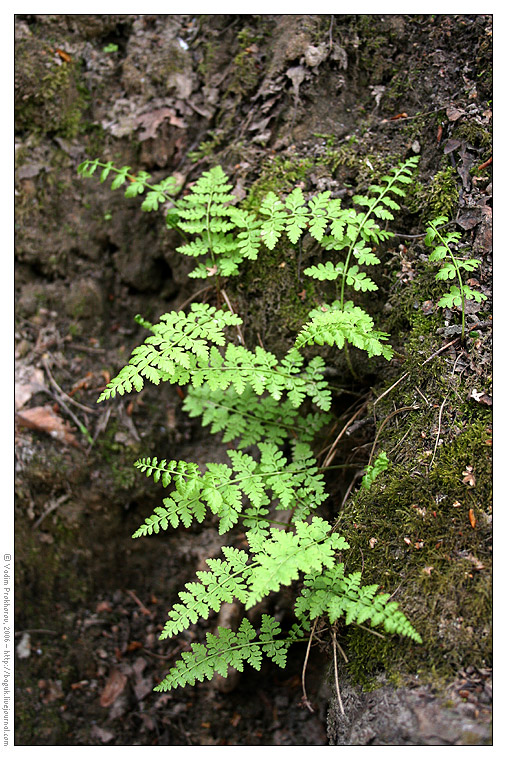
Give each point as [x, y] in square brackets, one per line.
[451, 267]
[258, 400]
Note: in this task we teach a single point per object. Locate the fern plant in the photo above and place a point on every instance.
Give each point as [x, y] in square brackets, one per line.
[451, 267]
[274, 407]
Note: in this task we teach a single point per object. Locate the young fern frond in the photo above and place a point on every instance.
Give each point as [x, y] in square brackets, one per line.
[183, 349]
[451, 267]
[178, 343]
[158, 193]
[372, 472]
[271, 562]
[208, 214]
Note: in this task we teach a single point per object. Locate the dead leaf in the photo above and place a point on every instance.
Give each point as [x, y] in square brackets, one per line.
[469, 478]
[23, 649]
[472, 518]
[45, 419]
[451, 145]
[473, 559]
[151, 121]
[103, 735]
[453, 114]
[481, 397]
[372, 542]
[428, 569]
[113, 688]
[29, 380]
[63, 55]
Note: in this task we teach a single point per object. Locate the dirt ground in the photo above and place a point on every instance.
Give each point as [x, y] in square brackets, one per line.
[327, 102]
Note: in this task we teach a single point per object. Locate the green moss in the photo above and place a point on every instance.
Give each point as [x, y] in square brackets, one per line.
[438, 198]
[49, 96]
[278, 174]
[475, 135]
[422, 532]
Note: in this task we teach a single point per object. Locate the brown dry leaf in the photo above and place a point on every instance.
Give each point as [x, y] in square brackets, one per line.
[475, 562]
[469, 478]
[481, 397]
[151, 121]
[29, 380]
[453, 114]
[427, 569]
[113, 688]
[44, 419]
[102, 734]
[472, 518]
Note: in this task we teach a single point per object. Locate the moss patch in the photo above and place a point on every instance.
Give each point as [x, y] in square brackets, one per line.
[49, 97]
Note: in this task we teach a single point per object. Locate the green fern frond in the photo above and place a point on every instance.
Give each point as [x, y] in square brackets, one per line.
[372, 472]
[333, 326]
[273, 561]
[333, 594]
[250, 418]
[227, 649]
[159, 193]
[280, 559]
[222, 489]
[178, 342]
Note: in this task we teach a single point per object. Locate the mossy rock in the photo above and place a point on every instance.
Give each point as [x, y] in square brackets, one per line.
[48, 96]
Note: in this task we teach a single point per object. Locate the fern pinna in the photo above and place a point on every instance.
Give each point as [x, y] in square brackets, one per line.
[274, 407]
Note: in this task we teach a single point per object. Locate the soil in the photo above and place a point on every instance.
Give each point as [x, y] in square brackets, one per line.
[326, 102]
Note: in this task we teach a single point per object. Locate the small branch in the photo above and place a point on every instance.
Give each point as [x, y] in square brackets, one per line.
[139, 603]
[305, 700]
[50, 509]
[65, 395]
[332, 450]
[389, 416]
[438, 433]
[370, 630]
[238, 328]
[336, 682]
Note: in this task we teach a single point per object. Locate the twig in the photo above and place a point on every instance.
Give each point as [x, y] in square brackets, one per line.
[238, 328]
[346, 659]
[349, 489]
[389, 416]
[422, 395]
[438, 432]
[50, 509]
[65, 395]
[37, 630]
[136, 599]
[194, 295]
[336, 675]
[406, 374]
[305, 700]
[440, 351]
[370, 630]
[391, 388]
[332, 450]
